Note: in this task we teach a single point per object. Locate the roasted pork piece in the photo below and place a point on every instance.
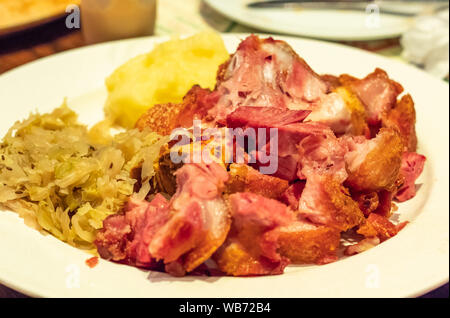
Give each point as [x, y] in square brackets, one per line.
[199, 220]
[185, 230]
[265, 73]
[164, 118]
[345, 149]
[266, 235]
[374, 164]
[325, 201]
[304, 242]
[290, 131]
[251, 246]
[264, 117]
[322, 154]
[292, 195]
[376, 229]
[125, 237]
[377, 92]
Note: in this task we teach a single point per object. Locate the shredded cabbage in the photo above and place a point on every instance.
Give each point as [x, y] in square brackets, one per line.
[56, 175]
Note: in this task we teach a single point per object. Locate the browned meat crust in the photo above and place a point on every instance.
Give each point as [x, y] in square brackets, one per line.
[164, 118]
[204, 251]
[347, 212]
[358, 113]
[317, 245]
[244, 178]
[325, 201]
[251, 246]
[332, 81]
[377, 225]
[376, 91]
[381, 166]
[403, 119]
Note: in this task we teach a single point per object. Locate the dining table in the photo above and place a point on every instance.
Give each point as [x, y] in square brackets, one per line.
[173, 17]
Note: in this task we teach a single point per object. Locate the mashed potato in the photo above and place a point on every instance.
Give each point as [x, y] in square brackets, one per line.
[163, 75]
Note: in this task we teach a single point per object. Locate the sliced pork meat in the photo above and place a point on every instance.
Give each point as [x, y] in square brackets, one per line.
[289, 133]
[303, 242]
[199, 217]
[290, 136]
[251, 246]
[287, 167]
[292, 195]
[377, 92]
[156, 215]
[265, 73]
[264, 117]
[411, 168]
[322, 154]
[182, 233]
[288, 139]
[325, 201]
[374, 164]
[290, 130]
[125, 237]
[332, 110]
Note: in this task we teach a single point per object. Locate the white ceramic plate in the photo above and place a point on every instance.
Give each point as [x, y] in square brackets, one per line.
[323, 24]
[410, 264]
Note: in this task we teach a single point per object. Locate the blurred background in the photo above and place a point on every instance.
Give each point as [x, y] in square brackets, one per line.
[410, 31]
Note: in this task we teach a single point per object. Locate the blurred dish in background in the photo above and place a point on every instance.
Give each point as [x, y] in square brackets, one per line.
[323, 23]
[18, 15]
[107, 20]
[395, 7]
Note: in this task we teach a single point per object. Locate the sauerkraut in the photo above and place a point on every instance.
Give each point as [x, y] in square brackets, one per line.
[60, 180]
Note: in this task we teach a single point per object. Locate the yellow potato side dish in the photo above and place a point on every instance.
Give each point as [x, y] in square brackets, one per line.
[163, 76]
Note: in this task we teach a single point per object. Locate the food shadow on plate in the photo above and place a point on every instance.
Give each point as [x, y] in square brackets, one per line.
[207, 272]
[161, 277]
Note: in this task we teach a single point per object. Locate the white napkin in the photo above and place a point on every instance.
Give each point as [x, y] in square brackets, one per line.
[427, 43]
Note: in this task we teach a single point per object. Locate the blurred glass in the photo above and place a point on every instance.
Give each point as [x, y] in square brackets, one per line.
[107, 20]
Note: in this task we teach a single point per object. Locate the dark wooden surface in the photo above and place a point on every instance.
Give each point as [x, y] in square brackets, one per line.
[20, 48]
